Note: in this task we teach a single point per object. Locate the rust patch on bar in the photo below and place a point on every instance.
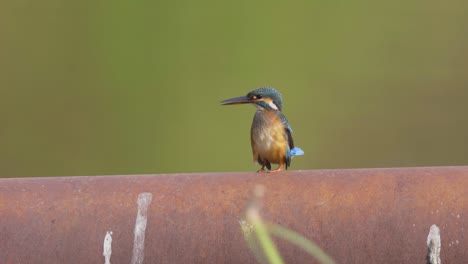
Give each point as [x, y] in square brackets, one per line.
[356, 216]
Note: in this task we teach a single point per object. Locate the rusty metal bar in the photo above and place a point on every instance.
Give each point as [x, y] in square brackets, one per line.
[356, 216]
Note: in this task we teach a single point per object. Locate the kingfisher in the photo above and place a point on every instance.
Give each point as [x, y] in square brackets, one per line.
[270, 134]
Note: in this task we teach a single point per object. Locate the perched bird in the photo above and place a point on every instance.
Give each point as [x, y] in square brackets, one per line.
[270, 135]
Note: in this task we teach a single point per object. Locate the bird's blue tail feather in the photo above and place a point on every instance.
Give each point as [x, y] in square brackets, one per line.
[297, 152]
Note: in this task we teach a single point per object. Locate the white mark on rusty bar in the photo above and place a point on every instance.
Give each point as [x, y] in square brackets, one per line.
[433, 245]
[144, 199]
[107, 252]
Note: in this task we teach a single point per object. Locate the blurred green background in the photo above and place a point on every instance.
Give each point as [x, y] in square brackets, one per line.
[120, 87]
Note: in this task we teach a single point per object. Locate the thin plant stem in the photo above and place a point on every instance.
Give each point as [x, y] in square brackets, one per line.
[300, 241]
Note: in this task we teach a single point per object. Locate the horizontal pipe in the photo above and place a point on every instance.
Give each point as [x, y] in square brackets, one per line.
[356, 216]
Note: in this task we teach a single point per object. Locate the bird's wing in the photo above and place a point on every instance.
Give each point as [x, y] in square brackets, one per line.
[288, 129]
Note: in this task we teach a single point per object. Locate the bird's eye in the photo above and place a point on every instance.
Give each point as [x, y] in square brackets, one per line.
[255, 97]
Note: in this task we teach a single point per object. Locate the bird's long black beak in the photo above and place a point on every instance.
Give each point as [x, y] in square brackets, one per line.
[237, 100]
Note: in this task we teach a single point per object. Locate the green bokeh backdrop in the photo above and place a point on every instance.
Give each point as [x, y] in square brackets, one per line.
[120, 87]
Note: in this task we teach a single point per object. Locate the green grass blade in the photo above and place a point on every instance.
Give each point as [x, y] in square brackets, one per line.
[261, 230]
[300, 241]
[251, 240]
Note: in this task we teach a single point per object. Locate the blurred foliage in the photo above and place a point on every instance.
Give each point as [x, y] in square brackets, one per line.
[258, 235]
[119, 87]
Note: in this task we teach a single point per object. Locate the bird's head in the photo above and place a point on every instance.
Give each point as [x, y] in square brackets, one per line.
[265, 97]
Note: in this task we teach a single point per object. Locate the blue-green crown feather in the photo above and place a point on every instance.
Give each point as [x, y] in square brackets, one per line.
[268, 92]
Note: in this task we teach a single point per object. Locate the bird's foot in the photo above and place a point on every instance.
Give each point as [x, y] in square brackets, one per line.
[280, 168]
[262, 170]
